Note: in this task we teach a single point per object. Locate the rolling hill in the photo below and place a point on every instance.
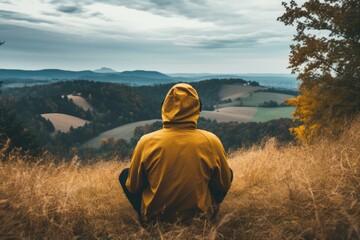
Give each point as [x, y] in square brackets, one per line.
[231, 114]
[125, 132]
[63, 122]
[137, 77]
[81, 102]
[117, 109]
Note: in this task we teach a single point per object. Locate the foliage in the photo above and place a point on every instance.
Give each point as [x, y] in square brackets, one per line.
[326, 56]
[282, 91]
[14, 134]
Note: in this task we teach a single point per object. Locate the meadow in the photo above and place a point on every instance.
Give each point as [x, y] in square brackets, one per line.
[63, 122]
[125, 132]
[279, 192]
[266, 114]
[81, 102]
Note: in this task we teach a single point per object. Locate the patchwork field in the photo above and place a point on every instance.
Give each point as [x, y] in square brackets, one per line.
[258, 98]
[81, 102]
[63, 122]
[125, 132]
[255, 99]
[245, 105]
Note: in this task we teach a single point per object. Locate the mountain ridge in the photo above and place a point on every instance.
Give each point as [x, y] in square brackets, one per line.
[136, 77]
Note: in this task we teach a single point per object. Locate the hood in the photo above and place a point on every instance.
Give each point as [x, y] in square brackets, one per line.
[181, 105]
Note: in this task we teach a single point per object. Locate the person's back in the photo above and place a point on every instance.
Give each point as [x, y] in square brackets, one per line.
[179, 170]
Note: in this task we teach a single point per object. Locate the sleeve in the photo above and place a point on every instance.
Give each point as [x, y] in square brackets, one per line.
[222, 174]
[136, 178]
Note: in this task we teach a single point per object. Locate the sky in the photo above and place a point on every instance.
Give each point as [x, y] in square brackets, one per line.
[170, 36]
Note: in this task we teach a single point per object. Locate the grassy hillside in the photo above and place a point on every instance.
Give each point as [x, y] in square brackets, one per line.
[63, 122]
[291, 192]
[125, 132]
[232, 92]
[81, 102]
[228, 114]
[266, 114]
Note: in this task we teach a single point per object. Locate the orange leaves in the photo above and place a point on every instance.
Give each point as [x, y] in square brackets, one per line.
[326, 56]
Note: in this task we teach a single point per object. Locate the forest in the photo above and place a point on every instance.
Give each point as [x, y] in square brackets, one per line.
[115, 105]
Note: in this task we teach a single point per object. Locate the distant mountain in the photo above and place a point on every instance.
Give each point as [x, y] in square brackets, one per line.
[18, 78]
[104, 70]
[138, 77]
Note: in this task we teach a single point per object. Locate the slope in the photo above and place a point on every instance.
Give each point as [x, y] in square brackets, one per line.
[286, 192]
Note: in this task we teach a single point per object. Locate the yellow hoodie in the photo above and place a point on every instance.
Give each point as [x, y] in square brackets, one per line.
[173, 166]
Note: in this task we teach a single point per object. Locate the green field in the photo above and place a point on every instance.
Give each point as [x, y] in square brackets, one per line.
[258, 98]
[267, 114]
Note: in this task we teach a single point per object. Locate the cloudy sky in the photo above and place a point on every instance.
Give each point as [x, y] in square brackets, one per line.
[171, 36]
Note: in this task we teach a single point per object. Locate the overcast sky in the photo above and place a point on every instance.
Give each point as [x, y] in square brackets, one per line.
[171, 36]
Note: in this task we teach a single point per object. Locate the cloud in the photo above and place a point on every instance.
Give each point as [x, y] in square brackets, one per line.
[16, 16]
[251, 39]
[204, 10]
[72, 9]
[144, 32]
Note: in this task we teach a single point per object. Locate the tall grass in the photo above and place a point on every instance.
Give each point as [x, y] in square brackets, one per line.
[292, 192]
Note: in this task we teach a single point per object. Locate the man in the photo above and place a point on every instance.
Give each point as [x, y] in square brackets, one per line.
[178, 171]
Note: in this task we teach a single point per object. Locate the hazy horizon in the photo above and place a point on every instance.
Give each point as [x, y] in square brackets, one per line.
[155, 70]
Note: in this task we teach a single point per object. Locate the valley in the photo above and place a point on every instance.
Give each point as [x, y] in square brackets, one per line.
[86, 114]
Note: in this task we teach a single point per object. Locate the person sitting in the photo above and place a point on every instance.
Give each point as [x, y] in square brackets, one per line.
[178, 171]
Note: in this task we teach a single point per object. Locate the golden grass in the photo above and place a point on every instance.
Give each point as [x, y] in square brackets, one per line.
[293, 192]
[81, 102]
[125, 132]
[63, 122]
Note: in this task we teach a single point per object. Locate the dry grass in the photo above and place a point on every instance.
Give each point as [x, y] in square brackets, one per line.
[125, 132]
[307, 192]
[81, 102]
[63, 122]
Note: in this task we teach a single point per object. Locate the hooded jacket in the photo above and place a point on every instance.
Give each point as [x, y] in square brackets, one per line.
[174, 166]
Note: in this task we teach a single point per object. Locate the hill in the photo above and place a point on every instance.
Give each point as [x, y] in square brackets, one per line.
[110, 106]
[81, 102]
[231, 114]
[278, 192]
[137, 77]
[125, 132]
[104, 70]
[64, 122]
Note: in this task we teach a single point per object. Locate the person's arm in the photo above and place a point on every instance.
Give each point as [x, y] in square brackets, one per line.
[136, 179]
[222, 174]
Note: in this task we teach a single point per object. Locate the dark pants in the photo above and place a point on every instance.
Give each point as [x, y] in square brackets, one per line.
[135, 199]
[218, 195]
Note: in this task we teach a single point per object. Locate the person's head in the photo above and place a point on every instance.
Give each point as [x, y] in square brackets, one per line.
[181, 105]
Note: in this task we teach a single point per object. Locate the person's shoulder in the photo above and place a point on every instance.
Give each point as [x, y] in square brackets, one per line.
[148, 136]
[211, 136]
[214, 141]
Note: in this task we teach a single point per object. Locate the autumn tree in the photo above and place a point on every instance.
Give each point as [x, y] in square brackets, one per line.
[326, 56]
